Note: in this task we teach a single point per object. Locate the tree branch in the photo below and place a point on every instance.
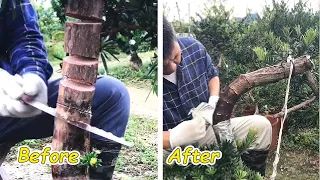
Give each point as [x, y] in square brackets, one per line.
[254, 101]
[297, 107]
[311, 82]
[231, 94]
[219, 61]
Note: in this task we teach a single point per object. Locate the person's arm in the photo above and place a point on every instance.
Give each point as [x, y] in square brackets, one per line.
[185, 133]
[166, 140]
[214, 86]
[214, 81]
[25, 42]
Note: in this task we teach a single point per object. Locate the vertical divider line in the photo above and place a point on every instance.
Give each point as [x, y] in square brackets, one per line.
[160, 90]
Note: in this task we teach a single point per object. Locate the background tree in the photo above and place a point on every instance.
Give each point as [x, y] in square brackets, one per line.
[125, 19]
[269, 40]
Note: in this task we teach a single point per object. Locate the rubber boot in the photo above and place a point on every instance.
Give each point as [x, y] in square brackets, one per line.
[109, 154]
[256, 160]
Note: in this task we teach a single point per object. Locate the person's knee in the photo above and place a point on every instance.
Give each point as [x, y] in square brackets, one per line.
[261, 123]
[112, 91]
[111, 105]
[264, 129]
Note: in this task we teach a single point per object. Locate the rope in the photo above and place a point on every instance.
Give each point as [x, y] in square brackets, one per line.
[285, 108]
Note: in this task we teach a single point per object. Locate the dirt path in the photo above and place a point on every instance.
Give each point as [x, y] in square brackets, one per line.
[139, 107]
[295, 165]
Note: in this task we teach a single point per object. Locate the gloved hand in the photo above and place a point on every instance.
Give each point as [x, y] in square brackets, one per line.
[203, 110]
[213, 100]
[12, 88]
[187, 132]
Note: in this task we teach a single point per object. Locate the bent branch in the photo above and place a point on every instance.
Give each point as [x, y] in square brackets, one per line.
[231, 94]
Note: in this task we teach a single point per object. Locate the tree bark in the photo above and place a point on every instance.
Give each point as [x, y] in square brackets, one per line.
[83, 39]
[75, 95]
[82, 43]
[312, 84]
[80, 69]
[85, 9]
[74, 104]
[230, 95]
[135, 62]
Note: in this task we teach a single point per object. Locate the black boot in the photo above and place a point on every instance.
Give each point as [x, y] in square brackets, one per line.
[256, 160]
[109, 154]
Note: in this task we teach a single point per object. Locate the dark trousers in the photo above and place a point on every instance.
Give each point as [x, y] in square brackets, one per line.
[110, 112]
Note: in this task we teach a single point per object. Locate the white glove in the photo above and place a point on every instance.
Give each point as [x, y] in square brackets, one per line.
[187, 132]
[213, 100]
[203, 110]
[14, 88]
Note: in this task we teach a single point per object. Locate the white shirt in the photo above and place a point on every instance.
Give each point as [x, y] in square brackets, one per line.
[171, 77]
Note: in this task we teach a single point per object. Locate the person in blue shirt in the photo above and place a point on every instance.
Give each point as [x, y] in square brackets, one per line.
[191, 82]
[25, 69]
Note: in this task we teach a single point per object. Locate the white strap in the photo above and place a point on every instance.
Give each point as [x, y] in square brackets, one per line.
[285, 108]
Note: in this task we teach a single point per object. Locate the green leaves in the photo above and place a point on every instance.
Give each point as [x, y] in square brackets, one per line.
[247, 142]
[241, 175]
[229, 166]
[91, 159]
[261, 53]
[297, 28]
[48, 21]
[153, 74]
[216, 32]
[58, 36]
[287, 33]
[309, 36]
[108, 51]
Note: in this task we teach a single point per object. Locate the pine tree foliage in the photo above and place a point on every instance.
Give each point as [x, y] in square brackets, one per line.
[229, 167]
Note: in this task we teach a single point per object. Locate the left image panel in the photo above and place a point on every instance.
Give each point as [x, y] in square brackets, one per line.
[78, 91]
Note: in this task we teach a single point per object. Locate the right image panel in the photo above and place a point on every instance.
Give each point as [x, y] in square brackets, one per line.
[240, 89]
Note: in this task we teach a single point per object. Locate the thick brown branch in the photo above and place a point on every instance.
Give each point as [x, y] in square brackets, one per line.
[311, 82]
[297, 107]
[245, 82]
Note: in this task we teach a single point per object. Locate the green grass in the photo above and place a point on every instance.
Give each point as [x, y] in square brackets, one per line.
[143, 156]
[303, 139]
[123, 59]
[142, 132]
[128, 76]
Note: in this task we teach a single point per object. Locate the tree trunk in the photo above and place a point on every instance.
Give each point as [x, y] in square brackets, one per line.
[82, 43]
[230, 95]
[80, 69]
[85, 9]
[135, 61]
[83, 39]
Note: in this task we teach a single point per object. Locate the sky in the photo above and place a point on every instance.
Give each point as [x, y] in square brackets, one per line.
[239, 7]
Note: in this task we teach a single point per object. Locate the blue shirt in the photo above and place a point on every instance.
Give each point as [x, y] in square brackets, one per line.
[21, 43]
[193, 76]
